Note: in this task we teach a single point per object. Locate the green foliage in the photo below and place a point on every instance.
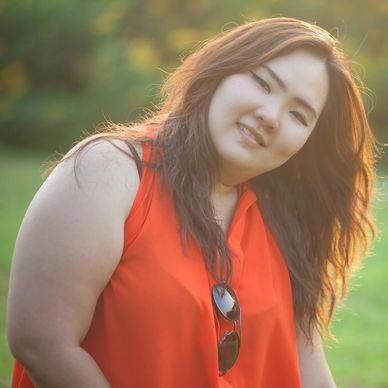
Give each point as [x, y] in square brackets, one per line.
[68, 65]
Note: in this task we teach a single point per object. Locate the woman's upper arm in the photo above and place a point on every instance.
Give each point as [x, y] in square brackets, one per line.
[68, 246]
[314, 370]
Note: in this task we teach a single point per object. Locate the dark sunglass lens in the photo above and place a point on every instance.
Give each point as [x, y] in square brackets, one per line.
[226, 302]
[228, 349]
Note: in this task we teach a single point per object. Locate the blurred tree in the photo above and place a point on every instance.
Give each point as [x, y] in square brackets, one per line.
[47, 49]
[65, 65]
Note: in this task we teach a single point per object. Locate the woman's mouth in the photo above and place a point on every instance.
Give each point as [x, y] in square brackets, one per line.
[250, 135]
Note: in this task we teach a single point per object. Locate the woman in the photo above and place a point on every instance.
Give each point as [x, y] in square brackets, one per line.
[208, 245]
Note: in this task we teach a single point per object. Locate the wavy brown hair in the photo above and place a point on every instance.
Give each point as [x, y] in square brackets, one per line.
[317, 204]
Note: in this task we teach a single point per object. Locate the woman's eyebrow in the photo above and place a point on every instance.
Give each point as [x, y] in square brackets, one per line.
[283, 86]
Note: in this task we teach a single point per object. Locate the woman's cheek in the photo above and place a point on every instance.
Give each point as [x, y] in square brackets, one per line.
[290, 145]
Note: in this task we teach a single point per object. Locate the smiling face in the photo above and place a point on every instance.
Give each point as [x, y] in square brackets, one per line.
[259, 119]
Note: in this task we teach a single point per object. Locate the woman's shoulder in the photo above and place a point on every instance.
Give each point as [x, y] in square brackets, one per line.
[104, 150]
[69, 244]
[102, 167]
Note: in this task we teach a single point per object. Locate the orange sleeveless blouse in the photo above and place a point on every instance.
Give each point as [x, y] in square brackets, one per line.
[154, 324]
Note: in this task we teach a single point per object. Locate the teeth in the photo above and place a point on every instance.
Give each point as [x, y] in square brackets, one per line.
[248, 132]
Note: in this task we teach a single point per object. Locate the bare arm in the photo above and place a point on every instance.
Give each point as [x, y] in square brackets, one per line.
[68, 246]
[314, 370]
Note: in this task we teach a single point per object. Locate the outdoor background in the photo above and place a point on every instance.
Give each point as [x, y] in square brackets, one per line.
[68, 65]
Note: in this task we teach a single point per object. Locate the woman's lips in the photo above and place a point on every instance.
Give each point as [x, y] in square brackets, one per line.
[251, 134]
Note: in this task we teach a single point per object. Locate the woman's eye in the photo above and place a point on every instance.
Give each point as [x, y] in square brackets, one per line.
[261, 82]
[299, 117]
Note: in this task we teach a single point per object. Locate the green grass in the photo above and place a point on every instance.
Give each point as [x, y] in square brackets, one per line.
[20, 178]
[359, 359]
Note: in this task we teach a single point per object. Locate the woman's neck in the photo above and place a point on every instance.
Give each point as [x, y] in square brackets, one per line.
[222, 189]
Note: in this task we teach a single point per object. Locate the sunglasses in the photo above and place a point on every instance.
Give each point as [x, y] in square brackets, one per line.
[226, 303]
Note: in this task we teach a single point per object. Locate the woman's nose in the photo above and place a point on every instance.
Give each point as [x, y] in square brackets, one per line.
[267, 117]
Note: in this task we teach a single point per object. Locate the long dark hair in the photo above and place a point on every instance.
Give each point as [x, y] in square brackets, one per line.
[317, 204]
